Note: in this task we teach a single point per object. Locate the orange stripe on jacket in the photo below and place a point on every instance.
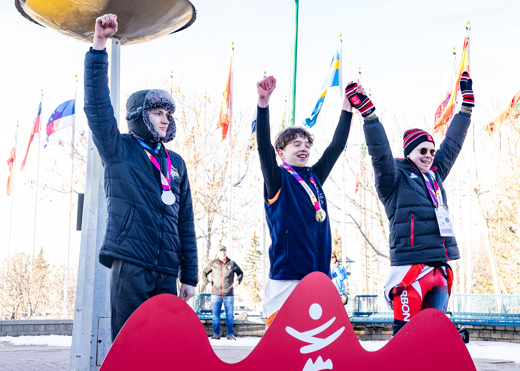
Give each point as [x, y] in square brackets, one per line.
[272, 200]
[270, 319]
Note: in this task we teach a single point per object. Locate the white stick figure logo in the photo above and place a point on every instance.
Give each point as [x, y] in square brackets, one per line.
[314, 342]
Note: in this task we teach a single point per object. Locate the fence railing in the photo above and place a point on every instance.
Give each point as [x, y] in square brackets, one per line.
[468, 309]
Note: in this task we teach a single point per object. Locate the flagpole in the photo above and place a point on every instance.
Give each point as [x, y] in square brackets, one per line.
[359, 180]
[343, 164]
[230, 134]
[66, 288]
[340, 68]
[468, 237]
[292, 94]
[13, 187]
[37, 180]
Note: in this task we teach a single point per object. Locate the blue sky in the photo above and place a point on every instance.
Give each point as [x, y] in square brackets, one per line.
[404, 48]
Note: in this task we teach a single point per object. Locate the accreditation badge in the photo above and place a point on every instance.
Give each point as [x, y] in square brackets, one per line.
[444, 221]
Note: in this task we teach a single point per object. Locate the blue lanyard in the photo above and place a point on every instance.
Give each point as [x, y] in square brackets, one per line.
[156, 150]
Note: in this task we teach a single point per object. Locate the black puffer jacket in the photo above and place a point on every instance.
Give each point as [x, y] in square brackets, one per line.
[140, 228]
[222, 276]
[414, 232]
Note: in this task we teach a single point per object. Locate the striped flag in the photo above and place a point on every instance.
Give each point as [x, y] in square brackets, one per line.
[61, 118]
[512, 112]
[445, 111]
[331, 80]
[35, 130]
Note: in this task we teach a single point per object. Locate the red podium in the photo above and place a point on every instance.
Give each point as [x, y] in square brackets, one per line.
[311, 332]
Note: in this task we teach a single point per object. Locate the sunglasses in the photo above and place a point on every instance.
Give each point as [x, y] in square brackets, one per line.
[424, 151]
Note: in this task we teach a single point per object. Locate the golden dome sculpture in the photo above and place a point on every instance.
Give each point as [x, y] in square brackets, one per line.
[139, 20]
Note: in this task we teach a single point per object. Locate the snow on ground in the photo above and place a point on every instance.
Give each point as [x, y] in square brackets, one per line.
[477, 349]
[48, 340]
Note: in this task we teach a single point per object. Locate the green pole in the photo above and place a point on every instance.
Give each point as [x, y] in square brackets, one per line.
[292, 95]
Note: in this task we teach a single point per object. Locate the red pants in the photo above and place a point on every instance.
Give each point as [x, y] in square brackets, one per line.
[430, 291]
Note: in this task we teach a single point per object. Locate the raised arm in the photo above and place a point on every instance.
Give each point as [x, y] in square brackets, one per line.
[266, 152]
[385, 167]
[324, 166]
[106, 26]
[451, 145]
[98, 108]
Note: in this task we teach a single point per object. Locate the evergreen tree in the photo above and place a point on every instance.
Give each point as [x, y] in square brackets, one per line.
[253, 270]
[39, 286]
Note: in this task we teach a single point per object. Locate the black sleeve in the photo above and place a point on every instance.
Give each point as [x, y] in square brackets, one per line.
[324, 166]
[205, 273]
[189, 266]
[98, 108]
[239, 273]
[270, 169]
[452, 144]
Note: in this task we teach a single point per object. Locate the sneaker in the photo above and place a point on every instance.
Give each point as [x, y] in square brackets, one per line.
[231, 337]
[216, 337]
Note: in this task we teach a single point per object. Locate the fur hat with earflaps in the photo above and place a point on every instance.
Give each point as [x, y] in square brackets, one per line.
[139, 123]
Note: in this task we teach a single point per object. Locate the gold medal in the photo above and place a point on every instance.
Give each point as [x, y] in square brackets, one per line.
[321, 215]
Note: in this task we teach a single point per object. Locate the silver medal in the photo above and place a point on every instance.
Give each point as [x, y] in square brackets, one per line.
[168, 197]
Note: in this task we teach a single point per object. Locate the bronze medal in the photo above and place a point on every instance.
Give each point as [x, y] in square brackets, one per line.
[321, 215]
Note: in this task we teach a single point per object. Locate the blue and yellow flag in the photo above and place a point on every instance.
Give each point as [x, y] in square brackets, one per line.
[331, 80]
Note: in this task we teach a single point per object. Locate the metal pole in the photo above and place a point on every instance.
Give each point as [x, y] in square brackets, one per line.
[37, 182]
[12, 188]
[66, 288]
[91, 333]
[343, 165]
[294, 60]
[469, 235]
[206, 224]
[230, 134]
[340, 63]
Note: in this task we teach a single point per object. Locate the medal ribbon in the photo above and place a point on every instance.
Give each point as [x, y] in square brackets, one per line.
[315, 202]
[433, 188]
[165, 181]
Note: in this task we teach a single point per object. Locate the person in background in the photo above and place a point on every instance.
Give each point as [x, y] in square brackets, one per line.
[339, 275]
[222, 271]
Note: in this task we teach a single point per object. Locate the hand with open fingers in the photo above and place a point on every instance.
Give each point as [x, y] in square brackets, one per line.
[265, 88]
[466, 89]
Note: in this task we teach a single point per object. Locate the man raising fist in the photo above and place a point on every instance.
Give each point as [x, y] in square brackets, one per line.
[150, 239]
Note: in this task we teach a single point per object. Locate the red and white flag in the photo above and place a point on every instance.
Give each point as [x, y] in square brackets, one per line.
[35, 130]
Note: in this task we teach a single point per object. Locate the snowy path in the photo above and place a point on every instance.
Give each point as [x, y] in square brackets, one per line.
[477, 349]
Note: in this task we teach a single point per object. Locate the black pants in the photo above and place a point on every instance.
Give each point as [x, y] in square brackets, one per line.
[131, 286]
